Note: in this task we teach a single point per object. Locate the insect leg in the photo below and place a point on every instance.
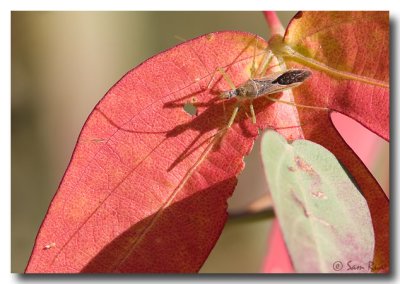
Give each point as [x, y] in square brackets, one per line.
[253, 64]
[227, 78]
[233, 116]
[232, 86]
[253, 115]
[294, 104]
[225, 75]
[265, 64]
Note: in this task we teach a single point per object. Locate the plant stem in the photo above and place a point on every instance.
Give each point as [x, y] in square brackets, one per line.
[274, 23]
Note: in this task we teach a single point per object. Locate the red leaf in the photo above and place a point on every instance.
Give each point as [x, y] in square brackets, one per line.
[145, 190]
[357, 43]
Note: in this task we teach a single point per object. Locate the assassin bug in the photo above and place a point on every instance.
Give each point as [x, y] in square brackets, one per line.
[263, 86]
[275, 83]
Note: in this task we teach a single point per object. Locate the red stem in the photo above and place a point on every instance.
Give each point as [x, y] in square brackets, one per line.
[277, 259]
[274, 23]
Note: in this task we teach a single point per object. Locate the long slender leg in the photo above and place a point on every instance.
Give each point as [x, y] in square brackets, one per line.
[218, 69]
[212, 78]
[253, 115]
[224, 109]
[253, 64]
[230, 83]
[294, 104]
[253, 73]
[265, 64]
[178, 37]
[281, 62]
[227, 78]
[224, 74]
[233, 116]
[232, 86]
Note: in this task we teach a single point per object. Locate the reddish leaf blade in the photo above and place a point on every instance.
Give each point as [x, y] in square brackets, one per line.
[356, 42]
[353, 42]
[145, 190]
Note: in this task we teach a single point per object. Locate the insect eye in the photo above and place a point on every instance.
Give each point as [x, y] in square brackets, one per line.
[292, 76]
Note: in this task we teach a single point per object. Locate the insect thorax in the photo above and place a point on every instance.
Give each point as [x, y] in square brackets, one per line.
[253, 88]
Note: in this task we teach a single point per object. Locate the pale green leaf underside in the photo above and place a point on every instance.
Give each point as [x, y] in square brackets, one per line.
[325, 220]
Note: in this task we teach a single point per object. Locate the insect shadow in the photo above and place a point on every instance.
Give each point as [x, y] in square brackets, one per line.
[214, 114]
[219, 112]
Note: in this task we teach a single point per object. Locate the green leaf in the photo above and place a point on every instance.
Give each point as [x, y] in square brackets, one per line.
[324, 218]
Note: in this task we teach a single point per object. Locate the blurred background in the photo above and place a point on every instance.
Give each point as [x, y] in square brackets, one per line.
[62, 65]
